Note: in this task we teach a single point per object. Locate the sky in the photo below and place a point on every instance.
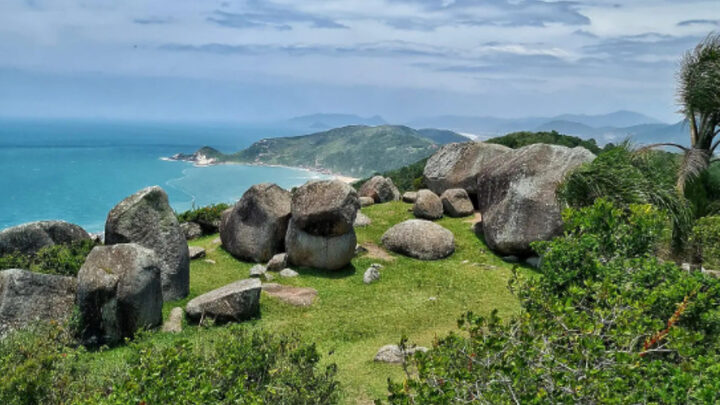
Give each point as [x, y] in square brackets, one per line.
[253, 60]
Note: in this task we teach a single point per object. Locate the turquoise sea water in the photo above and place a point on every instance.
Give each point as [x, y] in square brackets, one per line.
[78, 170]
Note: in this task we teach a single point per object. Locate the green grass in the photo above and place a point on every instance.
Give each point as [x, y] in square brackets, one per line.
[350, 320]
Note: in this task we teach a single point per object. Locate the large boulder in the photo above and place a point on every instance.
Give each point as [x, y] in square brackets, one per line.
[31, 237]
[26, 297]
[409, 197]
[420, 239]
[456, 203]
[119, 292]
[147, 219]
[325, 208]
[255, 228]
[232, 303]
[456, 165]
[517, 195]
[428, 205]
[380, 189]
[320, 252]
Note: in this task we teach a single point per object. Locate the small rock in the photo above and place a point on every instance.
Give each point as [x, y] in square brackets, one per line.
[191, 230]
[278, 262]
[432, 299]
[258, 270]
[409, 197]
[380, 189]
[511, 259]
[371, 275]
[393, 355]
[533, 261]
[366, 201]
[362, 220]
[211, 261]
[196, 252]
[686, 266]
[174, 322]
[465, 261]
[288, 273]
[297, 296]
[359, 249]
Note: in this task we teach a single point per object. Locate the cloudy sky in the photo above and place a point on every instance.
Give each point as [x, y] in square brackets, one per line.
[259, 60]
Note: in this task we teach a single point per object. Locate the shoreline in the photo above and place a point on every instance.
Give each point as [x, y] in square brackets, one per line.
[335, 176]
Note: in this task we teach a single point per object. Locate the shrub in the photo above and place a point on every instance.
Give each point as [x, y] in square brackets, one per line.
[64, 260]
[203, 215]
[408, 178]
[519, 139]
[706, 241]
[624, 327]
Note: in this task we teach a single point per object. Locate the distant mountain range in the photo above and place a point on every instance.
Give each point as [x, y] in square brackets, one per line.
[605, 128]
[356, 150]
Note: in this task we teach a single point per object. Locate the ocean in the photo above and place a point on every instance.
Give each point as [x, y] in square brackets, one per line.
[77, 171]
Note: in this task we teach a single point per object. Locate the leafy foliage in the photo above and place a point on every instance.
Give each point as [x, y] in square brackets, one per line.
[706, 241]
[64, 260]
[203, 215]
[623, 327]
[235, 366]
[517, 140]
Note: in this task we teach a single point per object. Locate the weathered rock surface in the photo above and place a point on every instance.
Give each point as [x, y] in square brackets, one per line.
[119, 292]
[456, 203]
[372, 274]
[278, 262]
[258, 270]
[420, 239]
[174, 322]
[321, 252]
[232, 303]
[380, 189]
[31, 237]
[288, 273]
[26, 297]
[394, 355]
[191, 230]
[362, 220]
[457, 165]
[255, 228]
[516, 195]
[325, 208]
[366, 201]
[196, 252]
[428, 205]
[297, 296]
[147, 219]
[409, 197]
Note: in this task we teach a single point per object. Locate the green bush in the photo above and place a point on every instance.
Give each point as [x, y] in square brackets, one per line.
[408, 178]
[233, 366]
[706, 241]
[203, 215]
[623, 327]
[64, 260]
[519, 139]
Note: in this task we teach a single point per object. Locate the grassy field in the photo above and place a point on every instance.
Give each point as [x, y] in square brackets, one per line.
[350, 320]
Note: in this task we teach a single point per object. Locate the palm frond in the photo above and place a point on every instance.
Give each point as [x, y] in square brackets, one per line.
[657, 145]
[694, 162]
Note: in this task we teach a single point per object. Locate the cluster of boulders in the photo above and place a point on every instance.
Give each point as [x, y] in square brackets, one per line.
[514, 190]
[314, 225]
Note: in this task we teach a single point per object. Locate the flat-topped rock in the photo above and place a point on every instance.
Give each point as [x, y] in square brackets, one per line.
[196, 252]
[33, 236]
[409, 197]
[325, 208]
[420, 239]
[254, 229]
[234, 302]
[147, 219]
[297, 296]
[27, 297]
[393, 354]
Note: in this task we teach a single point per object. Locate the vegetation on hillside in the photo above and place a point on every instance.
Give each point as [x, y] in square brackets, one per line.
[408, 178]
[605, 322]
[63, 260]
[519, 139]
[203, 215]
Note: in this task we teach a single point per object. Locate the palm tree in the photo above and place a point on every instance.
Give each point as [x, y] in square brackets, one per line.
[699, 98]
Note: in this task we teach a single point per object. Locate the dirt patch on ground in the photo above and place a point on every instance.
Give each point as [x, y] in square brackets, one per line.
[376, 252]
[298, 296]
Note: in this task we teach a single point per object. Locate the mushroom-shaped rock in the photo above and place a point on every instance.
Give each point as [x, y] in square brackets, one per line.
[456, 165]
[33, 236]
[517, 195]
[234, 302]
[456, 203]
[119, 292]
[325, 208]
[428, 205]
[420, 239]
[320, 252]
[255, 228]
[380, 189]
[26, 297]
[147, 219]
